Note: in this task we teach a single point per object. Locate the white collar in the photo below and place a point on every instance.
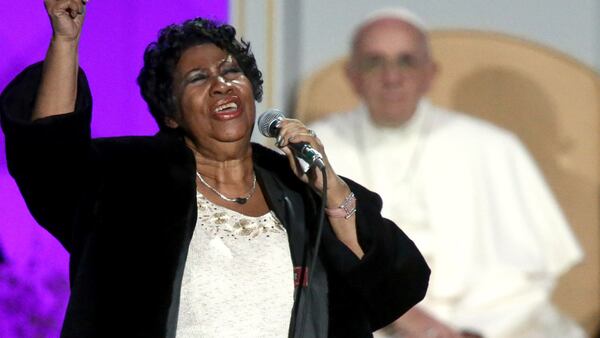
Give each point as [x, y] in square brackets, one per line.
[383, 135]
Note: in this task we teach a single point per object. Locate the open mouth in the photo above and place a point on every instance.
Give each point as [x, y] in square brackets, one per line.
[226, 108]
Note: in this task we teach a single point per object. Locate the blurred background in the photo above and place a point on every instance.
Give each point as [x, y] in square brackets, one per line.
[291, 39]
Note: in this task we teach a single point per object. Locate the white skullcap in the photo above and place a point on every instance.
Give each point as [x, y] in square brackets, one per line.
[400, 13]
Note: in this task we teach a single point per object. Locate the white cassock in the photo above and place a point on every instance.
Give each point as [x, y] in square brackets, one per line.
[474, 202]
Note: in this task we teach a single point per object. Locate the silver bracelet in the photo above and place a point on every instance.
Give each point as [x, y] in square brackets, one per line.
[345, 210]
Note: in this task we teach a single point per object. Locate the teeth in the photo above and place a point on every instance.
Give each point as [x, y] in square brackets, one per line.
[230, 105]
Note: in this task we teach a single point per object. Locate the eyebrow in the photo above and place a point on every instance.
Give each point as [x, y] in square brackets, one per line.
[227, 59]
[395, 55]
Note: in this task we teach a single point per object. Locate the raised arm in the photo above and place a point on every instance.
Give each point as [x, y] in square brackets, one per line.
[58, 87]
[48, 151]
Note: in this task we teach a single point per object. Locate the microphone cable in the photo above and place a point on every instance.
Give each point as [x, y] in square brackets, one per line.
[313, 262]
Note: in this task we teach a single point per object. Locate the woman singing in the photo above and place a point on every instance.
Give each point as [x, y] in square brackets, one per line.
[196, 231]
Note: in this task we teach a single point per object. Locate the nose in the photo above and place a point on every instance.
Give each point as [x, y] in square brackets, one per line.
[392, 78]
[220, 86]
[392, 74]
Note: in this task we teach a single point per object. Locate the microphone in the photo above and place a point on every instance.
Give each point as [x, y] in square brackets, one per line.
[267, 125]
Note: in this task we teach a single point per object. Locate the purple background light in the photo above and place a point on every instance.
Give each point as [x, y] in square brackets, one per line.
[33, 281]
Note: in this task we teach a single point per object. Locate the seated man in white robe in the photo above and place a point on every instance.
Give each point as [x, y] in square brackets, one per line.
[466, 191]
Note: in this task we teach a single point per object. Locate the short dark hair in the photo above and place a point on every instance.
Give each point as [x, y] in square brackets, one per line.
[161, 58]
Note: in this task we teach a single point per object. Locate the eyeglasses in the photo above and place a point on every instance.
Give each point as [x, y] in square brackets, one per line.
[375, 65]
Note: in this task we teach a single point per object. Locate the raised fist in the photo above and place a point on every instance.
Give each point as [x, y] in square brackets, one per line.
[66, 17]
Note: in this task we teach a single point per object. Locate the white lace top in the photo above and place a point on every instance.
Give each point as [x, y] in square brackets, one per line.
[238, 277]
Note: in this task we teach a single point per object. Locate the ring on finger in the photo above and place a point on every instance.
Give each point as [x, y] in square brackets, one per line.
[312, 133]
